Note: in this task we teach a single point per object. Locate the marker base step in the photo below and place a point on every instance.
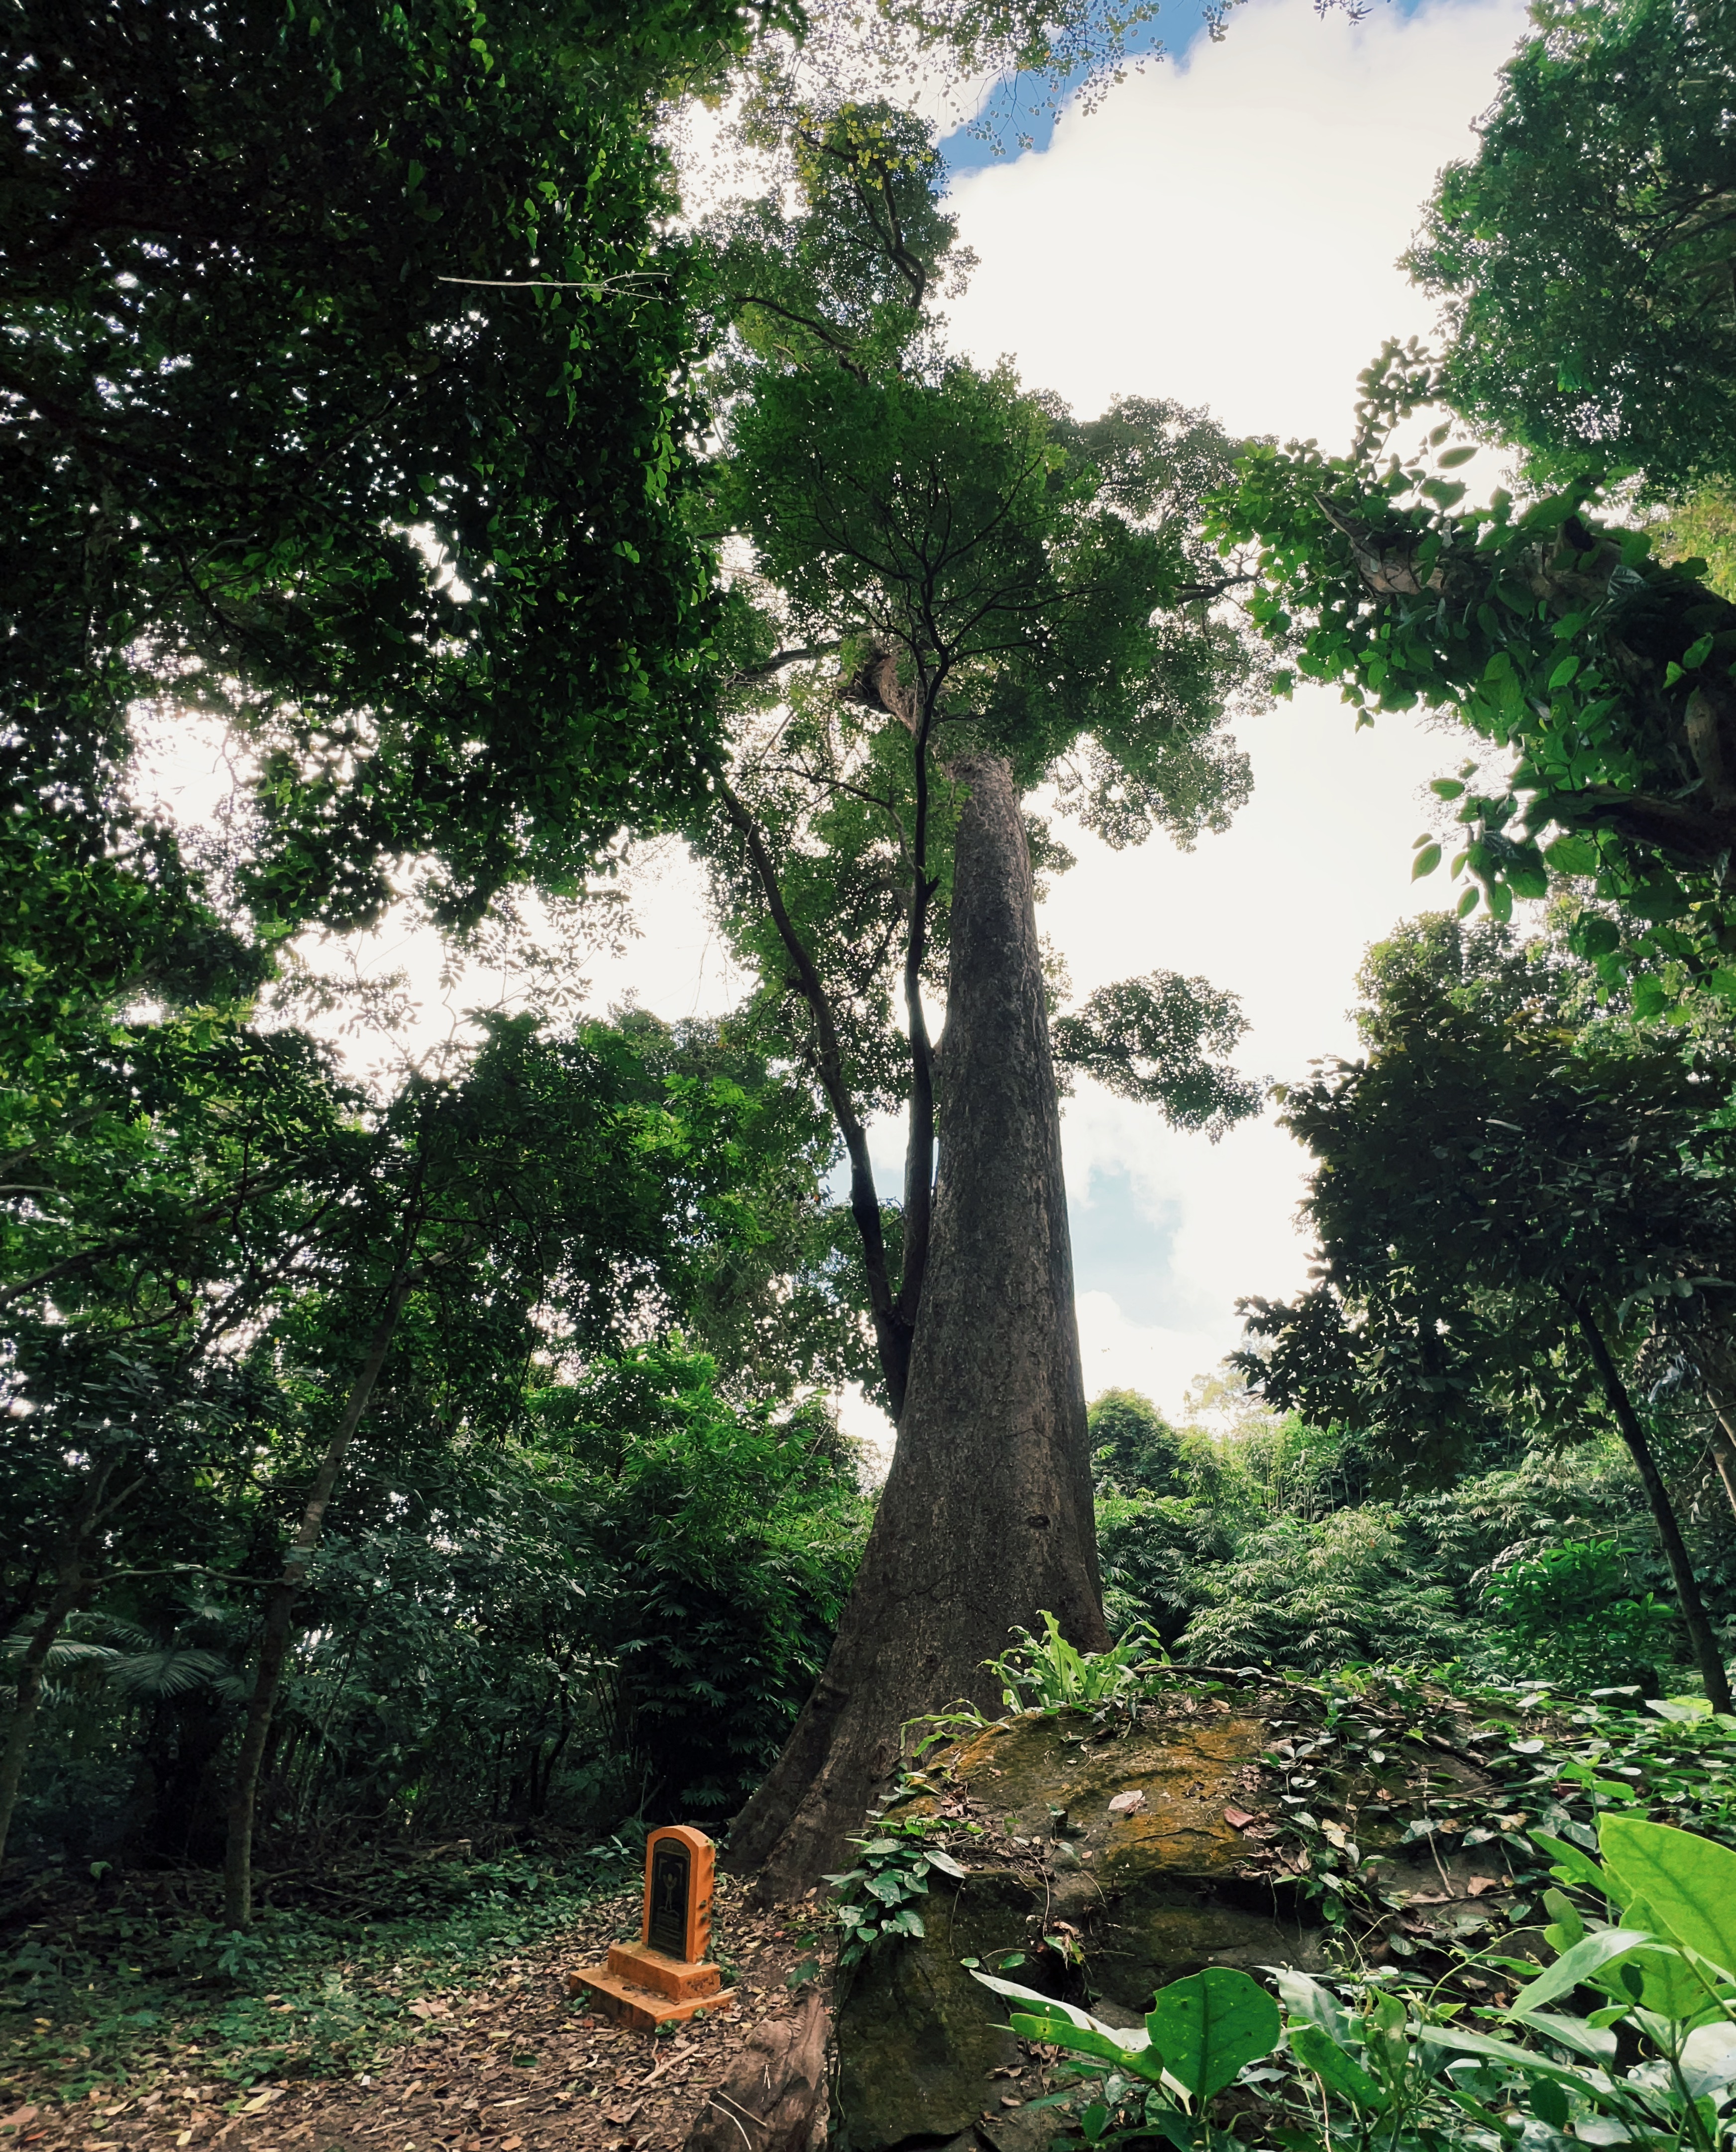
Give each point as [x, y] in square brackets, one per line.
[643, 1988]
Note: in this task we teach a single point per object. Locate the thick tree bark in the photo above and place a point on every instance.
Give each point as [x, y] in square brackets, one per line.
[1707, 1655]
[987, 1517]
[279, 1618]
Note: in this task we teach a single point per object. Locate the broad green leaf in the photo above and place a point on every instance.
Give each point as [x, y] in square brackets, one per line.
[1572, 855]
[1669, 1985]
[1505, 2052]
[1102, 2046]
[1208, 2025]
[1689, 1884]
[1063, 2025]
[1580, 1963]
[1595, 2042]
[1426, 861]
[1305, 1997]
[1338, 2072]
[891, 1887]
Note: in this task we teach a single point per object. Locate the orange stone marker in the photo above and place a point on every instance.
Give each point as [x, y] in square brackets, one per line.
[665, 1975]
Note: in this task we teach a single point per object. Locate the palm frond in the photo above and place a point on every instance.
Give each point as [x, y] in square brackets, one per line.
[171, 1670]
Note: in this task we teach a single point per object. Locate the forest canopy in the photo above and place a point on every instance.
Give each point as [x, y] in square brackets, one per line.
[409, 1447]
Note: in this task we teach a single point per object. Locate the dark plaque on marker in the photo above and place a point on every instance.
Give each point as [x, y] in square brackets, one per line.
[670, 1872]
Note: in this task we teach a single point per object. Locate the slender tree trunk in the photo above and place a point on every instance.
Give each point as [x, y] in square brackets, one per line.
[1705, 1653]
[73, 1582]
[27, 1696]
[987, 1517]
[1721, 1442]
[279, 1614]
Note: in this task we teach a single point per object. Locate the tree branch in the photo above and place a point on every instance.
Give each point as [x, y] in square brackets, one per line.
[894, 1343]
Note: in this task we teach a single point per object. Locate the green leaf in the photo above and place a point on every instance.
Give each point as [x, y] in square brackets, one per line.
[1445, 787]
[1506, 2052]
[1099, 2042]
[1595, 2042]
[946, 1864]
[1304, 1998]
[1572, 855]
[1580, 1963]
[1425, 862]
[1208, 2026]
[1594, 936]
[1696, 654]
[1455, 457]
[1689, 1884]
[1563, 672]
[1094, 2121]
[1119, 2048]
[1339, 2072]
[1575, 1866]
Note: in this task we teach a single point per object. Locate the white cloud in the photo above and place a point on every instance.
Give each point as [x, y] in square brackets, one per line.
[1224, 229]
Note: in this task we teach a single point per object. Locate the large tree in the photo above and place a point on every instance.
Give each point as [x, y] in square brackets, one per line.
[950, 592]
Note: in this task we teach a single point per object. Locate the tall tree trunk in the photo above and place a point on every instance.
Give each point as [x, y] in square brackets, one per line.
[1707, 1655]
[986, 1518]
[72, 1584]
[279, 1617]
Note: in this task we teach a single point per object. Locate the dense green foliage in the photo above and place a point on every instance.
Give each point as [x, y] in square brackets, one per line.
[612, 1565]
[337, 403]
[1647, 1928]
[1274, 1553]
[1585, 252]
[1598, 674]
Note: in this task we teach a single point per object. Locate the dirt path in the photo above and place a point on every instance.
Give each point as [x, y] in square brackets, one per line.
[514, 2065]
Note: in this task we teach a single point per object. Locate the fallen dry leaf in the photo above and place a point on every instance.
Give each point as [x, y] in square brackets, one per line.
[1237, 1819]
[21, 2118]
[1127, 1803]
[1479, 1884]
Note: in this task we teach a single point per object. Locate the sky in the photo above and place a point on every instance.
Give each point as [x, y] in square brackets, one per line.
[1224, 230]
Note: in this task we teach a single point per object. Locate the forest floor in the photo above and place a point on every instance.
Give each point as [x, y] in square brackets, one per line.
[506, 2063]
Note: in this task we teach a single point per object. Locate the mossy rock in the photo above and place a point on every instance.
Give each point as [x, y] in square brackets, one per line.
[1122, 1847]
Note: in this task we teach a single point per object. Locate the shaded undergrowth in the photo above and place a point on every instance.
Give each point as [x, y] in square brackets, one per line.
[109, 1981]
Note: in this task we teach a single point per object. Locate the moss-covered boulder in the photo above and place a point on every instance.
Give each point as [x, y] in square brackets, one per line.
[1108, 1866]
[1228, 1818]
